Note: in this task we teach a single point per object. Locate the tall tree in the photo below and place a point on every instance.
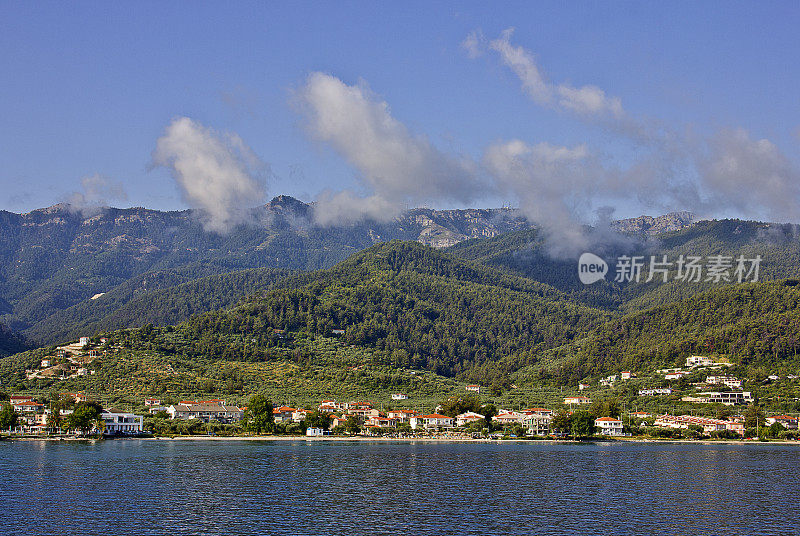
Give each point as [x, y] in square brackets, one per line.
[85, 416]
[259, 414]
[8, 417]
[582, 424]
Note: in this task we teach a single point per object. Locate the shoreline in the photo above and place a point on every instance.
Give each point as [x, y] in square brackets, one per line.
[370, 439]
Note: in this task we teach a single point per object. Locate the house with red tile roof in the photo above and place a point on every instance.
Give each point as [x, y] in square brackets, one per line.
[467, 418]
[283, 414]
[787, 421]
[431, 421]
[402, 415]
[609, 426]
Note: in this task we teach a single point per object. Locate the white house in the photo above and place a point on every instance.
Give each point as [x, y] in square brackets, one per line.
[577, 400]
[399, 396]
[434, 420]
[473, 388]
[675, 375]
[609, 426]
[207, 411]
[627, 375]
[402, 415]
[467, 418]
[728, 381]
[582, 386]
[655, 392]
[300, 415]
[537, 422]
[729, 398]
[508, 417]
[609, 380]
[312, 432]
[117, 422]
[83, 341]
[699, 361]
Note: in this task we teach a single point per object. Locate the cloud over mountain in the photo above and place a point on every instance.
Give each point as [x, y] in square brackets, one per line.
[98, 191]
[216, 172]
[395, 166]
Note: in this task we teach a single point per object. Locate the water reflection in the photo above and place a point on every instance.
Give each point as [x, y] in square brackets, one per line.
[315, 487]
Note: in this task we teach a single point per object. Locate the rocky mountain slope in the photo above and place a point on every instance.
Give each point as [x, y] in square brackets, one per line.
[54, 258]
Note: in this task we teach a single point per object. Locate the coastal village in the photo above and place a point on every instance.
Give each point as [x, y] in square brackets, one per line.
[399, 416]
[35, 418]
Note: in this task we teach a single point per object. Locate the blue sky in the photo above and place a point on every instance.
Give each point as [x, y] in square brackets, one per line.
[89, 89]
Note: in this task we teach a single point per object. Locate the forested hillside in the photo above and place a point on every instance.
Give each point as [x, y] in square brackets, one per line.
[524, 253]
[10, 342]
[55, 258]
[421, 307]
[751, 324]
[149, 299]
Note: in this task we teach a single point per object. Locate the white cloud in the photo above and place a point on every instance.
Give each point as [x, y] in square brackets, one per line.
[346, 208]
[524, 66]
[474, 44]
[589, 100]
[555, 187]
[216, 172]
[98, 191]
[751, 176]
[585, 100]
[395, 166]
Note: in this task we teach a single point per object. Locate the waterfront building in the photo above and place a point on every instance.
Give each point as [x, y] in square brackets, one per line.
[609, 426]
[283, 414]
[432, 421]
[402, 415]
[120, 422]
[508, 417]
[708, 425]
[207, 412]
[467, 418]
[537, 423]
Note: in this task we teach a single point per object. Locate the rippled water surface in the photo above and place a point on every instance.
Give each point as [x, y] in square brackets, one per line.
[319, 487]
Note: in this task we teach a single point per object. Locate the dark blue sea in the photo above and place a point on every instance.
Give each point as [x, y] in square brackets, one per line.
[347, 488]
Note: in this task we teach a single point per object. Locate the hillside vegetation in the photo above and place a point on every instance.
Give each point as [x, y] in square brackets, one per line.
[153, 298]
[751, 325]
[54, 258]
[524, 253]
[10, 342]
